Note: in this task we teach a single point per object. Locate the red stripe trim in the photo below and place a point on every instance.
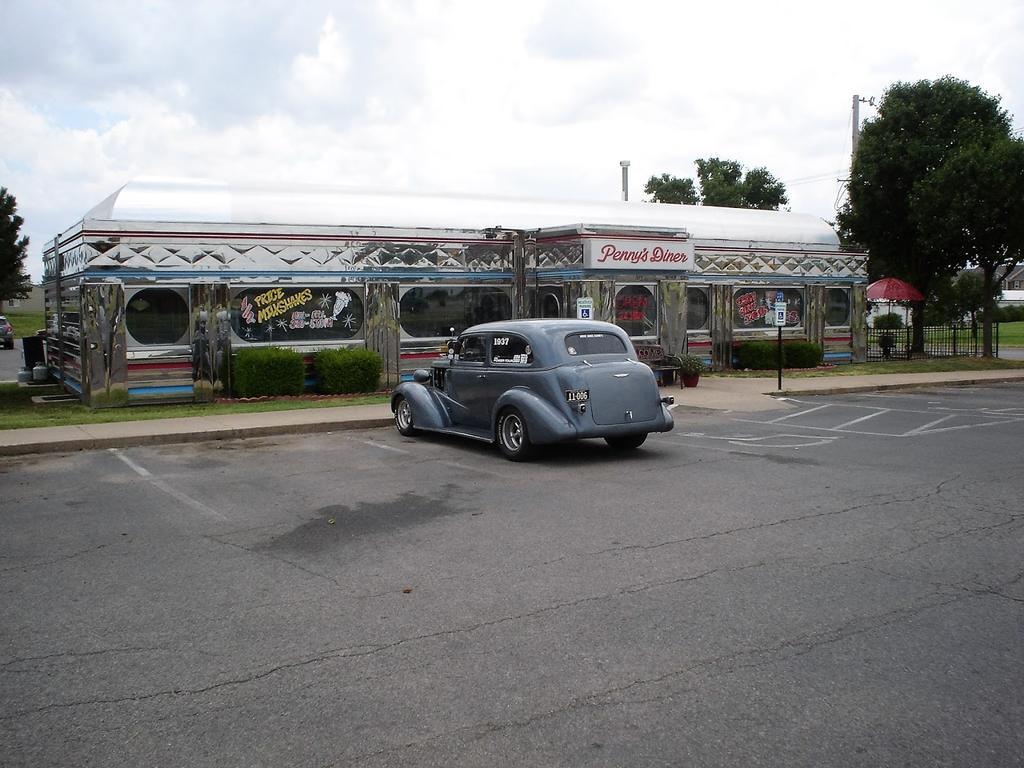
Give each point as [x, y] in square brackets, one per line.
[199, 234]
[159, 366]
[419, 355]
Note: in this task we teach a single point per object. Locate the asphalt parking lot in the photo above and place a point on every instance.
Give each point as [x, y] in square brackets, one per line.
[838, 583]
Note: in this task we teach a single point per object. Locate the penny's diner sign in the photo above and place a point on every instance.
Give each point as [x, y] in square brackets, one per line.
[636, 254]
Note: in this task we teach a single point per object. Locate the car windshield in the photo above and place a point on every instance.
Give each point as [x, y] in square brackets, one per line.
[594, 344]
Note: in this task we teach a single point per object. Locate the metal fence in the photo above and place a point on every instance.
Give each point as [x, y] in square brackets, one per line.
[939, 341]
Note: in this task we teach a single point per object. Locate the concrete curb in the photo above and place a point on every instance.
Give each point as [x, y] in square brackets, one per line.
[229, 433]
[902, 385]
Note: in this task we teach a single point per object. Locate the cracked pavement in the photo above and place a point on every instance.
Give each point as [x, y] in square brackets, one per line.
[715, 598]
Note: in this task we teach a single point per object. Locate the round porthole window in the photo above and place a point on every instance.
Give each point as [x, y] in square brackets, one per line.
[157, 316]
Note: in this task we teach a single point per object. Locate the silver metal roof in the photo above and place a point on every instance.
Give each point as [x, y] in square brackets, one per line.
[208, 201]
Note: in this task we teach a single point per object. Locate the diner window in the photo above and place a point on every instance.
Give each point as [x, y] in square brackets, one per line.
[636, 310]
[837, 306]
[754, 308]
[698, 309]
[511, 350]
[550, 302]
[431, 311]
[290, 313]
[158, 316]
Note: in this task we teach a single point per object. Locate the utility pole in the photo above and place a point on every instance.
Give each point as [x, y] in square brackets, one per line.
[856, 122]
[625, 179]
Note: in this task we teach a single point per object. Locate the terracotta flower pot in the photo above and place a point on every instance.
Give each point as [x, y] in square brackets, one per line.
[689, 379]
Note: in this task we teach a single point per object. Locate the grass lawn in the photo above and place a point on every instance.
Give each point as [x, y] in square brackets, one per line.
[893, 366]
[1011, 334]
[25, 323]
[17, 411]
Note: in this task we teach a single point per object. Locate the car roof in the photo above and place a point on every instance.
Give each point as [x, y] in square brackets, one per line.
[545, 327]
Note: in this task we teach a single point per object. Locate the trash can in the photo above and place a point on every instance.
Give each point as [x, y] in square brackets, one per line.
[33, 349]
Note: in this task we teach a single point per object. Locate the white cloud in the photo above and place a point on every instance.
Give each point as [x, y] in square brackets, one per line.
[538, 100]
[323, 77]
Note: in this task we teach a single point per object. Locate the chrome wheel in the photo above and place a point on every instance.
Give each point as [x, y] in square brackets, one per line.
[513, 438]
[403, 418]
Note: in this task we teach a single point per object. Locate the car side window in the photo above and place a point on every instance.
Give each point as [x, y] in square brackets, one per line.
[511, 350]
[473, 350]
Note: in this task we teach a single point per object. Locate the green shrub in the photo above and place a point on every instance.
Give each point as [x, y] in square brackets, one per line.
[802, 354]
[1006, 314]
[268, 371]
[757, 355]
[341, 371]
[888, 322]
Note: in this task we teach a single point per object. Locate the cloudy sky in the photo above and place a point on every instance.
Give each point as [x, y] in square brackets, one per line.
[534, 98]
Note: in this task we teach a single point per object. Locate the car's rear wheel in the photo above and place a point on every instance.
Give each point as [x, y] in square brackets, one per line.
[403, 418]
[513, 437]
[626, 443]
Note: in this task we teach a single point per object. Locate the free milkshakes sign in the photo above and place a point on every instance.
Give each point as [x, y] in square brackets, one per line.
[630, 254]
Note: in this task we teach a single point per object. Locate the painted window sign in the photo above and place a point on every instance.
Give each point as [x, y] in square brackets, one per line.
[636, 311]
[755, 307]
[511, 350]
[297, 314]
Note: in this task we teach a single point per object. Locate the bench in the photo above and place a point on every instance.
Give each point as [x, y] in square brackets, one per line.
[654, 356]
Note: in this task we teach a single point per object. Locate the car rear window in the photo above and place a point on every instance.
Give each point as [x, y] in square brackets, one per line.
[594, 344]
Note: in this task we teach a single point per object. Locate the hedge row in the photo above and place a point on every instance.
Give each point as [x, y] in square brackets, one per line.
[764, 355]
[1009, 314]
[272, 371]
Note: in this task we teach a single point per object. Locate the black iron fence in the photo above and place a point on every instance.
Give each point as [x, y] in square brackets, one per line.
[939, 341]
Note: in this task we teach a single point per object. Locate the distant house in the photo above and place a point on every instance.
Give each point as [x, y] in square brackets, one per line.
[32, 303]
[1013, 288]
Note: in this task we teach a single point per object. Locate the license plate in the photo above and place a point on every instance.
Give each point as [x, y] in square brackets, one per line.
[577, 395]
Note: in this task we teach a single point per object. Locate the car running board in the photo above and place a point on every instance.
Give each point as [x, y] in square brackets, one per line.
[484, 435]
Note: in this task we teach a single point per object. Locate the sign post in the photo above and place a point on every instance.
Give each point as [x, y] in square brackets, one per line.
[780, 322]
[584, 309]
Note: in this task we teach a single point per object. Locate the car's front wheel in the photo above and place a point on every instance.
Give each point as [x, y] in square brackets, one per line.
[626, 443]
[513, 437]
[403, 418]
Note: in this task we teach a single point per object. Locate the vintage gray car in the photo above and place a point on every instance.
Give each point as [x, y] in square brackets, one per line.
[523, 383]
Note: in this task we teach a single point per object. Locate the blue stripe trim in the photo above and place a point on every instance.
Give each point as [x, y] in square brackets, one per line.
[838, 355]
[327, 277]
[74, 384]
[177, 390]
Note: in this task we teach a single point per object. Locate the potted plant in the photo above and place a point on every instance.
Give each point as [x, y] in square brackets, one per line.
[690, 368]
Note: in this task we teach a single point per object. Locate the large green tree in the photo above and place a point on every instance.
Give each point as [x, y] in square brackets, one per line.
[904, 205]
[14, 280]
[671, 189]
[722, 183]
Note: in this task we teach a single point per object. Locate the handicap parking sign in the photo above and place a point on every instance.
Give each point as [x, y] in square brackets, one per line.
[584, 309]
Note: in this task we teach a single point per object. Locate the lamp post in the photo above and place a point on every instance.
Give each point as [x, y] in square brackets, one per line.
[625, 179]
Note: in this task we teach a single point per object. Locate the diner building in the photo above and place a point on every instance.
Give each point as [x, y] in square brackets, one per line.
[150, 293]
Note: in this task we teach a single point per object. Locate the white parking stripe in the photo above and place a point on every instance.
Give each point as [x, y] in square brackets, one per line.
[798, 413]
[384, 447]
[924, 427]
[188, 501]
[862, 418]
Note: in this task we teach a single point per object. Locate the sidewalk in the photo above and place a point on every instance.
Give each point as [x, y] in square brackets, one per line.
[713, 393]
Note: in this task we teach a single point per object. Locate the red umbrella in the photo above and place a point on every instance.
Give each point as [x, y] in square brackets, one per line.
[893, 289]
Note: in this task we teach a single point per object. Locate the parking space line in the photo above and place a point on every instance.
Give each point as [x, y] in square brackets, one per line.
[925, 427]
[862, 418]
[185, 499]
[798, 413]
[382, 446]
